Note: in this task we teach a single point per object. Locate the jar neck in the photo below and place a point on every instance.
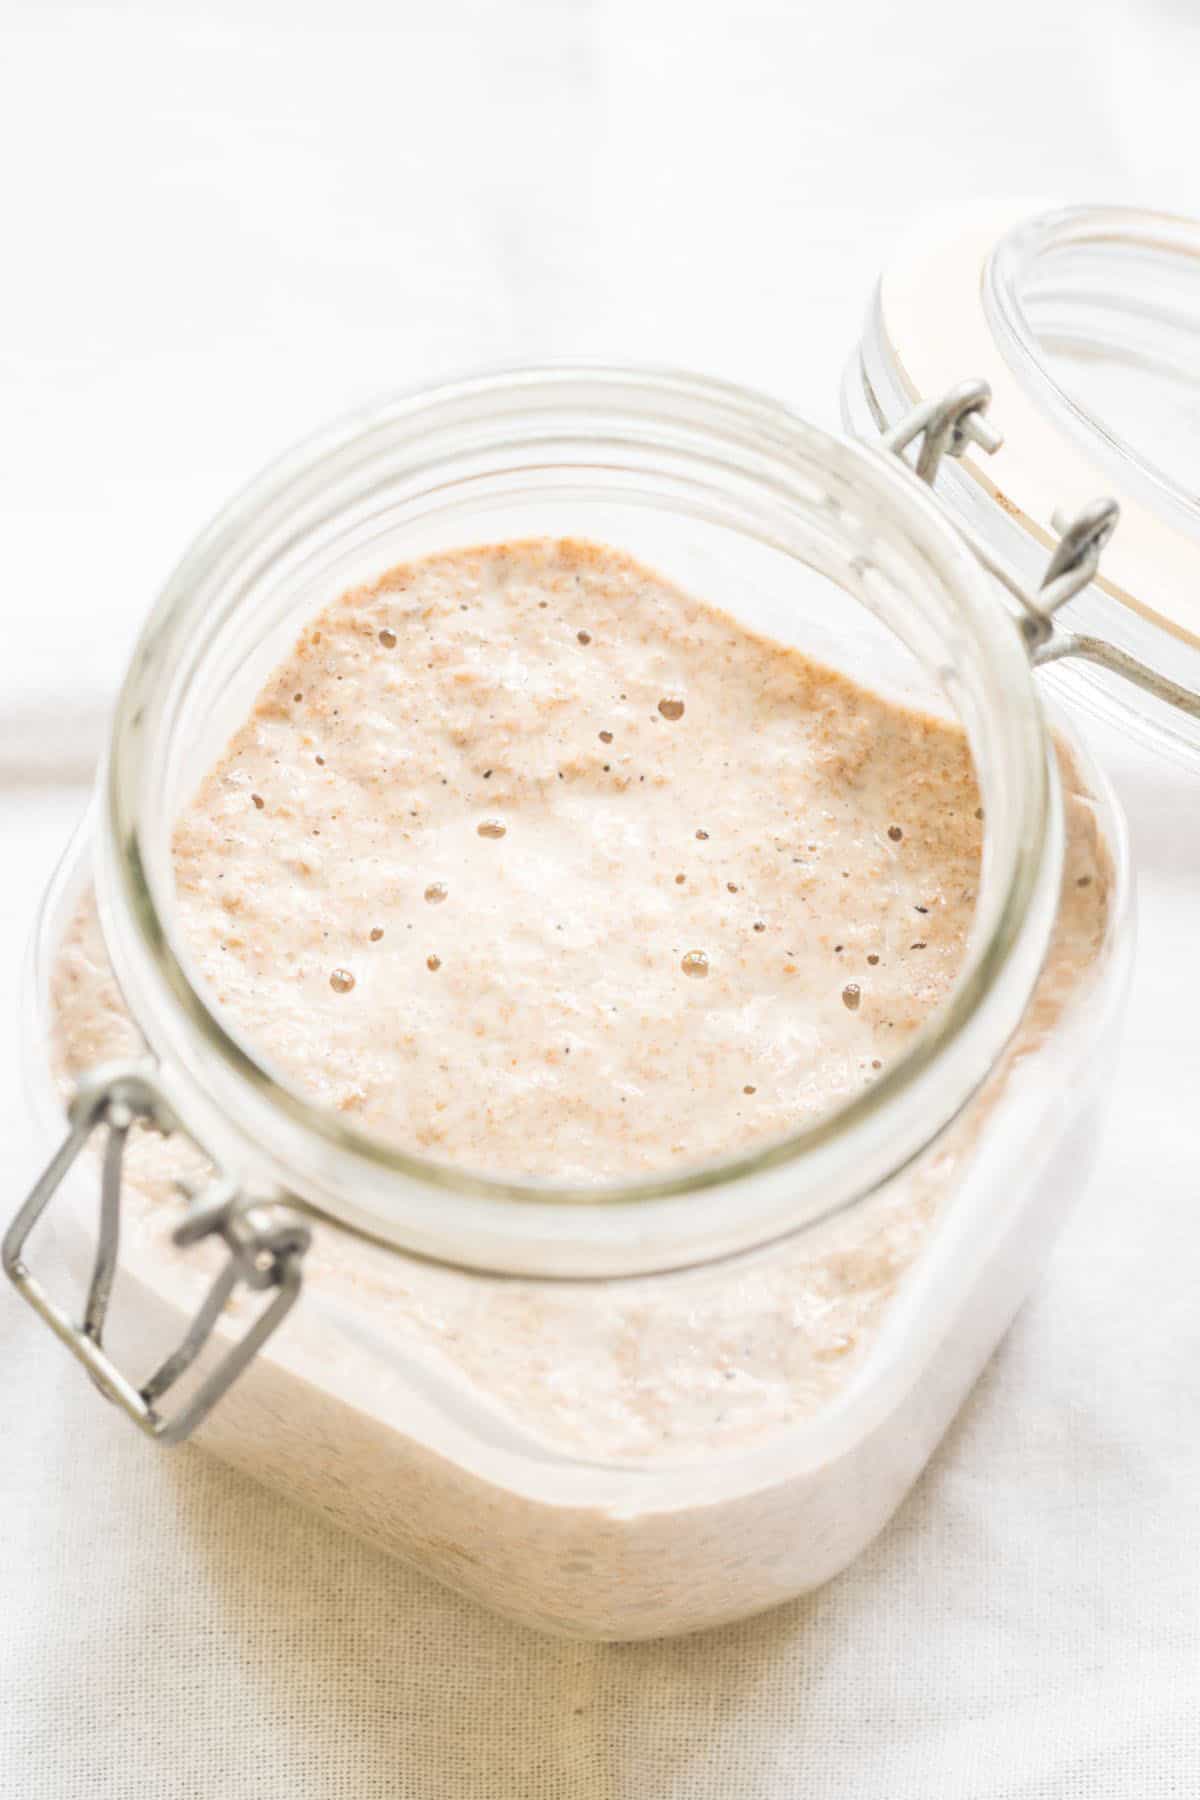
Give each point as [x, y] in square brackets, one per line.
[721, 460]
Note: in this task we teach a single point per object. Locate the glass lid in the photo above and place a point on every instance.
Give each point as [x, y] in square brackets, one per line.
[1085, 324]
[1097, 313]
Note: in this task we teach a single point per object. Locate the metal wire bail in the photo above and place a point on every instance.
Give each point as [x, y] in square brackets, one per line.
[945, 427]
[266, 1245]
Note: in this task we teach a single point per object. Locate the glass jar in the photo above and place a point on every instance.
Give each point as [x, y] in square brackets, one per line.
[405, 1396]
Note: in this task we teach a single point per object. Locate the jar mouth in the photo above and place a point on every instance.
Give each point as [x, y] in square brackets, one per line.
[1096, 310]
[743, 455]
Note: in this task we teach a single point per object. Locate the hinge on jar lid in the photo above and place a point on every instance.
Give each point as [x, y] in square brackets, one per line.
[266, 1247]
[947, 427]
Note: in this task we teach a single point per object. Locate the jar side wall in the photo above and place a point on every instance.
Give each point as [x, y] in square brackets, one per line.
[621, 1565]
[623, 1553]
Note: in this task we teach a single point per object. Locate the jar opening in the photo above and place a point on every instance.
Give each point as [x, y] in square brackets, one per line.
[669, 458]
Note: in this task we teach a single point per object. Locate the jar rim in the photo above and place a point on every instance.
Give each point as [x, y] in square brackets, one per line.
[436, 1208]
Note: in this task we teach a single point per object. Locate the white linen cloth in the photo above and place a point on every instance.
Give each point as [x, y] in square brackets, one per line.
[223, 223]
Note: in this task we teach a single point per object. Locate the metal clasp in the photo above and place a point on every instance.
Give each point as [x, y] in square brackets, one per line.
[266, 1247]
[1074, 564]
[946, 427]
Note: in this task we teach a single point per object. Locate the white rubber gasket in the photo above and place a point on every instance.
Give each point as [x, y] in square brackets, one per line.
[931, 298]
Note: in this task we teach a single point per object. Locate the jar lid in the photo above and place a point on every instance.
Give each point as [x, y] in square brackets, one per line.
[1084, 323]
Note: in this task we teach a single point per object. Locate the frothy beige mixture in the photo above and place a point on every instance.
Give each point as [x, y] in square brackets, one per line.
[527, 860]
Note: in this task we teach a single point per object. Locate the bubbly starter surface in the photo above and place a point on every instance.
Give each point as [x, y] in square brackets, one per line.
[526, 860]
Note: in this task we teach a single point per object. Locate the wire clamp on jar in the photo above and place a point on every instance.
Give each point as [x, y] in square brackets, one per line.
[952, 425]
[945, 427]
[266, 1244]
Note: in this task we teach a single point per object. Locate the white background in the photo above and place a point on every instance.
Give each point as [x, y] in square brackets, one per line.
[220, 224]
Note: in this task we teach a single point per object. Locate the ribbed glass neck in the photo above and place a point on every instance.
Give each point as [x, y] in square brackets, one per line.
[584, 443]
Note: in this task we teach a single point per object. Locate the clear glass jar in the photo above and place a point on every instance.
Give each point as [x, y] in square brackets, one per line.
[427, 1439]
